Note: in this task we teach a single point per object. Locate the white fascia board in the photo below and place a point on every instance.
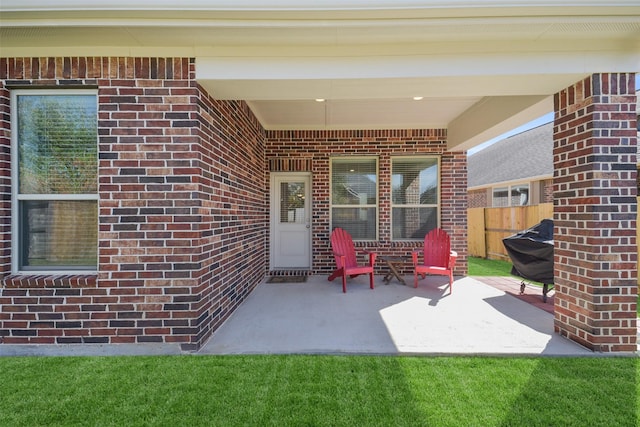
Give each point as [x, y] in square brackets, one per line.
[246, 19]
[463, 6]
[91, 51]
[409, 66]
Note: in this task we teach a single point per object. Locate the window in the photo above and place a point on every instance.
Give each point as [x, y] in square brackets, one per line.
[515, 195]
[55, 166]
[354, 196]
[414, 197]
[500, 197]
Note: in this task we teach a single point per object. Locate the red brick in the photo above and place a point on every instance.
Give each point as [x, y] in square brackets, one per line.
[596, 250]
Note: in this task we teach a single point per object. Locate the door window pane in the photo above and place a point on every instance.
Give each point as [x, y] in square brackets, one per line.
[292, 202]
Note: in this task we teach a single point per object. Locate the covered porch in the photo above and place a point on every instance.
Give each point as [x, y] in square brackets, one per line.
[201, 103]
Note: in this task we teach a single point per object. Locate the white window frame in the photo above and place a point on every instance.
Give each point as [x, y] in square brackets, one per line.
[377, 204]
[16, 197]
[509, 189]
[438, 204]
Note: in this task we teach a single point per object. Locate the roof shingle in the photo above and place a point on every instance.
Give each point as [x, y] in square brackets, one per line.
[527, 154]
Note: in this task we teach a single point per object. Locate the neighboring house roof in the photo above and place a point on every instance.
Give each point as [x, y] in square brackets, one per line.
[525, 155]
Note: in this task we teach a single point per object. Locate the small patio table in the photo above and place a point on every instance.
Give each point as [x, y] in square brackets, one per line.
[393, 263]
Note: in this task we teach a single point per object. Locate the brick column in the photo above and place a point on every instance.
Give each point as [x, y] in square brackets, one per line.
[454, 205]
[595, 212]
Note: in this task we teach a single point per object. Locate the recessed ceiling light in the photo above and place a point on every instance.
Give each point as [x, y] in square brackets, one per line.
[417, 98]
[319, 99]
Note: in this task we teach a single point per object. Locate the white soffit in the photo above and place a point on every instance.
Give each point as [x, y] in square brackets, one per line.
[360, 114]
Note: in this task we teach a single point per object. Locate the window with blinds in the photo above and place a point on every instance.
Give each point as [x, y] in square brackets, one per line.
[354, 196]
[415, 196]
[55, 166]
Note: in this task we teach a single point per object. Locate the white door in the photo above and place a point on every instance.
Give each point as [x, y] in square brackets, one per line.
[290, 221]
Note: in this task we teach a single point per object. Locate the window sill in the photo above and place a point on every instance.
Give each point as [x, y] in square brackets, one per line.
[50, 281]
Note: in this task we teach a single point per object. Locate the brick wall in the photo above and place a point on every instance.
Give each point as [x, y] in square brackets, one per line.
[179, 205]
[478, 198]
[317, 147]
[547, 191]
[595, 212]
[234, 225]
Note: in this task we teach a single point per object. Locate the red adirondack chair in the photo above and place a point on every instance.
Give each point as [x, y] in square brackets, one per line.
[438, 257]
[346, 260]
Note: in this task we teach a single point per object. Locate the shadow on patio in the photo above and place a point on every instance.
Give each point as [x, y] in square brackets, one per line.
[316, 317]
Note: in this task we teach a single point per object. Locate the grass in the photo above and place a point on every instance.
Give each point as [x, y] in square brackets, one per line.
[489, 267]
[298, 390]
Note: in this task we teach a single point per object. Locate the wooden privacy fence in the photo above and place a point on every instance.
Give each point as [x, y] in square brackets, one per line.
[488, 226]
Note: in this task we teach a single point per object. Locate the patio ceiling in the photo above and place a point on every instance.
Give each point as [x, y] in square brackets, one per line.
[481, 67]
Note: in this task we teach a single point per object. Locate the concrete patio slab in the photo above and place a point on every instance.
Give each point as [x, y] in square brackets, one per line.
[316, 317]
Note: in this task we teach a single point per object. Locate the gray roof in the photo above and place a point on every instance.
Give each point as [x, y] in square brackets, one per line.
[525, 155]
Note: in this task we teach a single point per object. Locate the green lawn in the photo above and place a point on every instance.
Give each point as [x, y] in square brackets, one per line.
[489, 267]
[301, 390]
